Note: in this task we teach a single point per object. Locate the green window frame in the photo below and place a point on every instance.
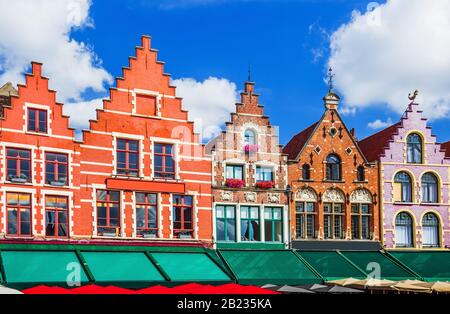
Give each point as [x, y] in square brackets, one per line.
[235, 172]
[264, 174]
[226, 223]
[273, 224]
[250, 224]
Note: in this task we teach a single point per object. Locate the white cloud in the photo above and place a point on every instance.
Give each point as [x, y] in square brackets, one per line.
[382, 55]
[209, 102]
[81, 112]
[40, 30]
[378, 124]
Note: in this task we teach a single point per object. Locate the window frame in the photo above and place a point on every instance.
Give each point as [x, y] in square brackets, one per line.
[333, 215]
[108, 202]
[360, 174]
[18, 160]
[37, 120]
[127, 170]
[272, 220]
[306, 172]
[182, 206]
[163, 174]
[404, 184]
[410, 146]
[411, 229]
[333, 168]
[56, 163]
[146, 206]
[303, 216]
[18, 208]
[258, 173]
[56, 211]
[226, 221]
[234, 166]
[437, 227]
[360, 215]
[426, 189]
[253, 136]
[249, 220]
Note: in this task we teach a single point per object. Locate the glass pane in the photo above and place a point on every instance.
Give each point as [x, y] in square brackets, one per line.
[114, 211]
[268, 229]
[267, 213]
[220, 229]
[152, 217]
[299, 207]
[244, 213]
[133, 146]
[158, 148]
[310, 207]
[12, 221]
[230, 211]
[114, 196]
[140, 216]
[277, 213]
[101, 195]
[220, 212]
[151, 198]
[140, 197]
[254, 213]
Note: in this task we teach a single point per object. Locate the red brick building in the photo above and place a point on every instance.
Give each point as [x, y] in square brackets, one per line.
[249, 178]
[139, 173]
[335, 189]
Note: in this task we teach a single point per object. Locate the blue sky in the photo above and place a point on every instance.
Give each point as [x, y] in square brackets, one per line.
[286, 43]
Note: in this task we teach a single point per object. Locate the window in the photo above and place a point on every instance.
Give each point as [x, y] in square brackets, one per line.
[146, 215]
[414, 149]
[19, 165]
[128, 157]
[333, 221]
[250, 224]
[273, 224]
[264, 174]
[37, 120]
[306, 172]
[183, 226]
[360, 174]
[403, 187]
[225, 223]
[164, 161]
[429, 188]
[234, 172]
[360, 221]
[404, 230]
[430, 230]
[249, 137]
[56, 169]
[108, 213]
[305, 220]
[333, 168]
[18, 207]
[56, 218]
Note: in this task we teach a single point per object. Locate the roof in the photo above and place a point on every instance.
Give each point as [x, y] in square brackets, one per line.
[295, 145]
[374, 145]
[446, 147]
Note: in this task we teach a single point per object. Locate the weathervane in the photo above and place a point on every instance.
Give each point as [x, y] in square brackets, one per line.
[413, 96]
[330, 79]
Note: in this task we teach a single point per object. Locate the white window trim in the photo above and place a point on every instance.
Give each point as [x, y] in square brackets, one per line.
[69, 195]
[32, 148]
[126, 136]
[39, 107]
[176, 157]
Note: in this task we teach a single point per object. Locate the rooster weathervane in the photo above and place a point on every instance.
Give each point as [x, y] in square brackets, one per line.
[413, 96]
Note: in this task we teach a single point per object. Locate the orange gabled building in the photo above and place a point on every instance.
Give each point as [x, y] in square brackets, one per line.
[39, 164]
[143, 174]
[335, 189]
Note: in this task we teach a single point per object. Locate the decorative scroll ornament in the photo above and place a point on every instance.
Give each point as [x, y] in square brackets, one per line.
[333, 196]
[306, 195]
[250, 197]
[361, 196]
[273, 197]
[227, 196]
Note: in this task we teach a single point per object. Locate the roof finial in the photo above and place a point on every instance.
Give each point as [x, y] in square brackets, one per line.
[330, 79]
[249, 79]
[413, 96]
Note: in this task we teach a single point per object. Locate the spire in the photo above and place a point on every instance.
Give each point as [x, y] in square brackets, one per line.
[331, 99]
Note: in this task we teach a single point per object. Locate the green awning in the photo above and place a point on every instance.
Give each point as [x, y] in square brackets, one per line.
[269, 267]
[331, 265]
[41, 267]
[190, 267]
[389, 269]
[117, 267]
[432, 266]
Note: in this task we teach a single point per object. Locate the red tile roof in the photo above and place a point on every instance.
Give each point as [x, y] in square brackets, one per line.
[446, 147]
[373, 146]
[295, 145]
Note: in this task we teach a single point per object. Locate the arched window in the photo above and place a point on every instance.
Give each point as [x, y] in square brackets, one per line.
[360, 174]
[250, 137]
[414, 148]
[403, 187]
[333, 168]
[404, 230]
[429, 188]
[306, 172]
[430, 230]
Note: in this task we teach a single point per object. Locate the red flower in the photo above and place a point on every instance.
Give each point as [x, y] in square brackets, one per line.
[235, 183]
[249, 148]
[264, 184]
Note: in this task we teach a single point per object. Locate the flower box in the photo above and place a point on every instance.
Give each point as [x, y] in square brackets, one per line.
[264, 185]
[235, 183]
[249, 148]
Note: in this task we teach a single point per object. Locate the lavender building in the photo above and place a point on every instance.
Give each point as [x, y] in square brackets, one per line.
[414, 183]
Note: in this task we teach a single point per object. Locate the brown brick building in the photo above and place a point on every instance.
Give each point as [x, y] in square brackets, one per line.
[334, 188]
[249, 178]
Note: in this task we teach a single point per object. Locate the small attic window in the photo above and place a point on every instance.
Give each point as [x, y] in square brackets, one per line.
[318, 149]
[333, 131]
[249, 137]
[349, 150]
[37, 120]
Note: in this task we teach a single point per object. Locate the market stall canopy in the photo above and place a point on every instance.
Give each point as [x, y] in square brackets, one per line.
[6, 290]
[438, 286]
